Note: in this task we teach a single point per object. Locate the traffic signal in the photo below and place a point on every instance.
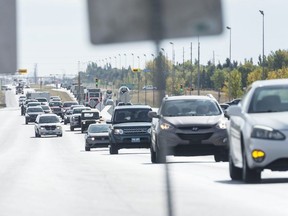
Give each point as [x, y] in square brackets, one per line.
[22, 71]
[96, 80]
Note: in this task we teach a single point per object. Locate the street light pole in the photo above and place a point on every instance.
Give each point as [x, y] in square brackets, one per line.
[145, 71]
[263, 75]
[138, 76]
[229, 85]
[173, 69]
[153, 77]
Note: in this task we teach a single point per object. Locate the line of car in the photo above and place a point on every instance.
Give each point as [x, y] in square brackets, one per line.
[251, 135]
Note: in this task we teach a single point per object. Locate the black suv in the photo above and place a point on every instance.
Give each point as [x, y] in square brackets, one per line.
[130, 127]
[89, 117]
[188, 126]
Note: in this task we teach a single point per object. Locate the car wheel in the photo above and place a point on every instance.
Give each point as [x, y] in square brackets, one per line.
[87, 148]
[235, 172]
[113, 149]
[36, 134]
[249, 175]
[65, 122]
[153, 154]
[26, 122]
[60, 135]
[82, 130]
[71, 128]
[160, 155]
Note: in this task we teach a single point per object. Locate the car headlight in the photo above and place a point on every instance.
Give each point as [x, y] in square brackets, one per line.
[42, 128]
[166, 126]
[221, 124]
[118, 131]
[58, 127]
[263, 132]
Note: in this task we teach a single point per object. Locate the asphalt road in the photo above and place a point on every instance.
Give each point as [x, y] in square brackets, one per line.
[55, 176]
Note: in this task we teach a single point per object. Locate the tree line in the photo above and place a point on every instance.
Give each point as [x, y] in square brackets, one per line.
[235, 76]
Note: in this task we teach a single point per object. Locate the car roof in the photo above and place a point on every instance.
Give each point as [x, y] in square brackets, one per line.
[133, 107]
[270, 82]
[190, 97]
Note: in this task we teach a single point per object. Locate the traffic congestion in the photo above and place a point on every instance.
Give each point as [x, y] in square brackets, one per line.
[143, 108]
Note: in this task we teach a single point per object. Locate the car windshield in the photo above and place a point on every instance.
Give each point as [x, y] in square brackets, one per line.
[191, 107]
[269, 99]
[132, 115]
[76, 111]
[55, 103]
[69, 104]
[90, 115]
[98, 128]
[41, 99]
[49, 119]
[35, 109]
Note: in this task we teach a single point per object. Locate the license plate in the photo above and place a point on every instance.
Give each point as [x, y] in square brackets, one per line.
[135, 140]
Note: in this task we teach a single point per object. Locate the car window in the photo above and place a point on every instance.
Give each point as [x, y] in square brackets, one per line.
[49, 119]
[191, 107]
[99, 128]
[269, 99]
[132, 115]
[35, 109]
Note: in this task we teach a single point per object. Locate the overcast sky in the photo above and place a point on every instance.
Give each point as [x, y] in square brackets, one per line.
[54, 34]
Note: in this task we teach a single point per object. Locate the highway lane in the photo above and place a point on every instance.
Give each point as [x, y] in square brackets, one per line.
[55, 176]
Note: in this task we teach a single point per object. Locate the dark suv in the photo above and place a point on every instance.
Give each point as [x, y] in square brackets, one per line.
[130, 127]
[89, 117]
[188, 126]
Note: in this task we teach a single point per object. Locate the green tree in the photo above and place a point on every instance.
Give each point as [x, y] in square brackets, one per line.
[235, 84]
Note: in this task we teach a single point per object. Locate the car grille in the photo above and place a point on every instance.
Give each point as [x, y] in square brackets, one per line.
[199, 127]
[135, 130]
[52, 127]
[103, 138]
[195, 137]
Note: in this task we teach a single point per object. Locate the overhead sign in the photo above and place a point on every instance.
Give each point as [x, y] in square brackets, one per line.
[134, 20]
[8, 41]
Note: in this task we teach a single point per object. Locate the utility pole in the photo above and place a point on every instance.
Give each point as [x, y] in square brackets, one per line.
[198, 81]
[191, 61]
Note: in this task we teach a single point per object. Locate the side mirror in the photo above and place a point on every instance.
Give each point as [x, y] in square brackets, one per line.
[152, 114]
[234, 111]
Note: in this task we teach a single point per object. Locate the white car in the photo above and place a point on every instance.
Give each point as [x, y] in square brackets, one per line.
[258, 131]
[48, 124]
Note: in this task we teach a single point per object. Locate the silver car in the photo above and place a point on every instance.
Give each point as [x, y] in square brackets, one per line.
[258, 131]
[48, 124]
[188, 126]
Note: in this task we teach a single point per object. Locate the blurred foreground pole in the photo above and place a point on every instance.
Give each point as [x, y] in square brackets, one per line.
[156, 32]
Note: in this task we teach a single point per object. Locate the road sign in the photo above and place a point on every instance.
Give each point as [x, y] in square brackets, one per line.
[141, 21]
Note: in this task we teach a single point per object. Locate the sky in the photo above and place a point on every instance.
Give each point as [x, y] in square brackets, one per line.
[54, 35]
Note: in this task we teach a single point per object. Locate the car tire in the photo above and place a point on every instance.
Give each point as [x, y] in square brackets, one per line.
[82, 130]
[218, 157]
[37, 134]
[160, 155]
[87, 148]
[235, 172]
[26, 122]
[113, 149]
[60, 135]
[249, 175]
[65, 122]
[153, 154]
[71, 128]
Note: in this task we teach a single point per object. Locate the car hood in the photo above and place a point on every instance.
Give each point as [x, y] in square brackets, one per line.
[193, 120]
[34, 113]
[133, 124]
[275, 120]
[49, 124]
[98, 134]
